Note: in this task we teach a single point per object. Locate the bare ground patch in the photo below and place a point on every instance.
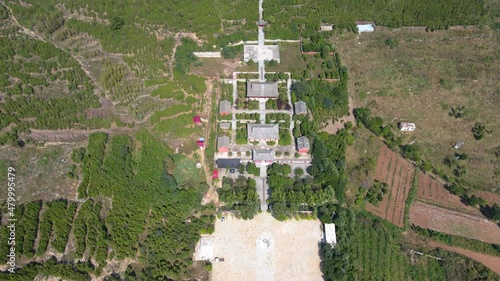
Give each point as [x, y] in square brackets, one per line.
[40, 172]
[291, 251]
[453, 222]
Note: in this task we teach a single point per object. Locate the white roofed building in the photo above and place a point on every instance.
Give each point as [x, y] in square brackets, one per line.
[330, 235]
[407, 127]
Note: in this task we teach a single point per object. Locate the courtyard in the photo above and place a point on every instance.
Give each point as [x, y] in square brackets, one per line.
[264, 249]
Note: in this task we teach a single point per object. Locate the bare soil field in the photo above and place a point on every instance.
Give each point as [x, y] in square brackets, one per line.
[420, 78]
[264, 249]
[398, 174]
[432, 190]
[40, 172]
[453, 222]
[490, 197]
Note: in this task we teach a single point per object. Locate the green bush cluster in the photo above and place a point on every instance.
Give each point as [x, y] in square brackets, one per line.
[240, 195]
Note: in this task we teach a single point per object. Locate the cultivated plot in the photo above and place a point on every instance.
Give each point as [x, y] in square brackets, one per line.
[453, 222]
[266, 249]
[433, 190]
[398, 174]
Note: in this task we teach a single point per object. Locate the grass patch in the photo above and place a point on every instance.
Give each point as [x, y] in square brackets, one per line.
[168, 112]
[181, 127]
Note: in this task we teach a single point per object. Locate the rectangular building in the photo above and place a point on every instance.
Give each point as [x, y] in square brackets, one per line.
[228, 163]
[262, 90]
[330, 234]
[407, 127]
[300, 108]
[263, 132]
[223, 144]
[263, 155]
[303, 145]
[225, 107]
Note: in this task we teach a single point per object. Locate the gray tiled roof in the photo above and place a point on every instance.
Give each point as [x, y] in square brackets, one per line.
[262, 89]
[222, 142]
[263, 154]
[225, 125]
[263, 131]
[224, 106]
[229, 163]
[303, 142]
[300, 107]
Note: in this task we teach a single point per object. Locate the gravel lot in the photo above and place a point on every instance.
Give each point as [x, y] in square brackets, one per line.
[264, 249]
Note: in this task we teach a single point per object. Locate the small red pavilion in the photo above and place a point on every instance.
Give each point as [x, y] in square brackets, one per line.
[197, 120]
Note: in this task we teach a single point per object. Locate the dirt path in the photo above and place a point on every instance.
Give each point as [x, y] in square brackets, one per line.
[52, 137]
[491, 262]
[211, 195]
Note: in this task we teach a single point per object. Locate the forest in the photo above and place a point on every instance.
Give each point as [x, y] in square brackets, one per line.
[240, 195]
[146, 190]
[325, 100]
[289, 18]
[44, 87]
[289, 196]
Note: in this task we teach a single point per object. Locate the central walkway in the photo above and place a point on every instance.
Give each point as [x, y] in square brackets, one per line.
[262, 187]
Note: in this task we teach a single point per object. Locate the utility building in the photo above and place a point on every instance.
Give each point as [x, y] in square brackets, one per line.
[303, 145]
[300, 108]
[225, 107]
[365, 26]
[223, 144]
[329, 234]
[407, 127]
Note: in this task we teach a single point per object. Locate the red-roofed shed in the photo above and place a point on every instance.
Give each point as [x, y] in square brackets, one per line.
[200, 143]
[197, 120]
[215, 175]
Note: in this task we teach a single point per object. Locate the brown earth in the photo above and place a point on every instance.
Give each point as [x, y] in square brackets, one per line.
[490, 197]
[454, 222]
[491, 262]
[398, 174]
[433, 191]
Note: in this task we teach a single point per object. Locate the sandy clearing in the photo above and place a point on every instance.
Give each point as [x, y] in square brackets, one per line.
[293, 252]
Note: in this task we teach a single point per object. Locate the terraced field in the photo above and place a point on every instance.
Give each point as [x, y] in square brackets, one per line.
[398, 174]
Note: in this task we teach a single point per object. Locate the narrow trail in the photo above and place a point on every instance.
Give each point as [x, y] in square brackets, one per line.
[212, 193]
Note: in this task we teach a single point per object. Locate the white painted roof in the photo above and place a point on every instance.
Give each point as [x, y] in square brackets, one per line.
[365, 27]
[330, 235]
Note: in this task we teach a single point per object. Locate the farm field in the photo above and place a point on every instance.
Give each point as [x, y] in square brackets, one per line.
[433, 190]
[398, 174]
[491, 198]
[408, 74]
[453, 222]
